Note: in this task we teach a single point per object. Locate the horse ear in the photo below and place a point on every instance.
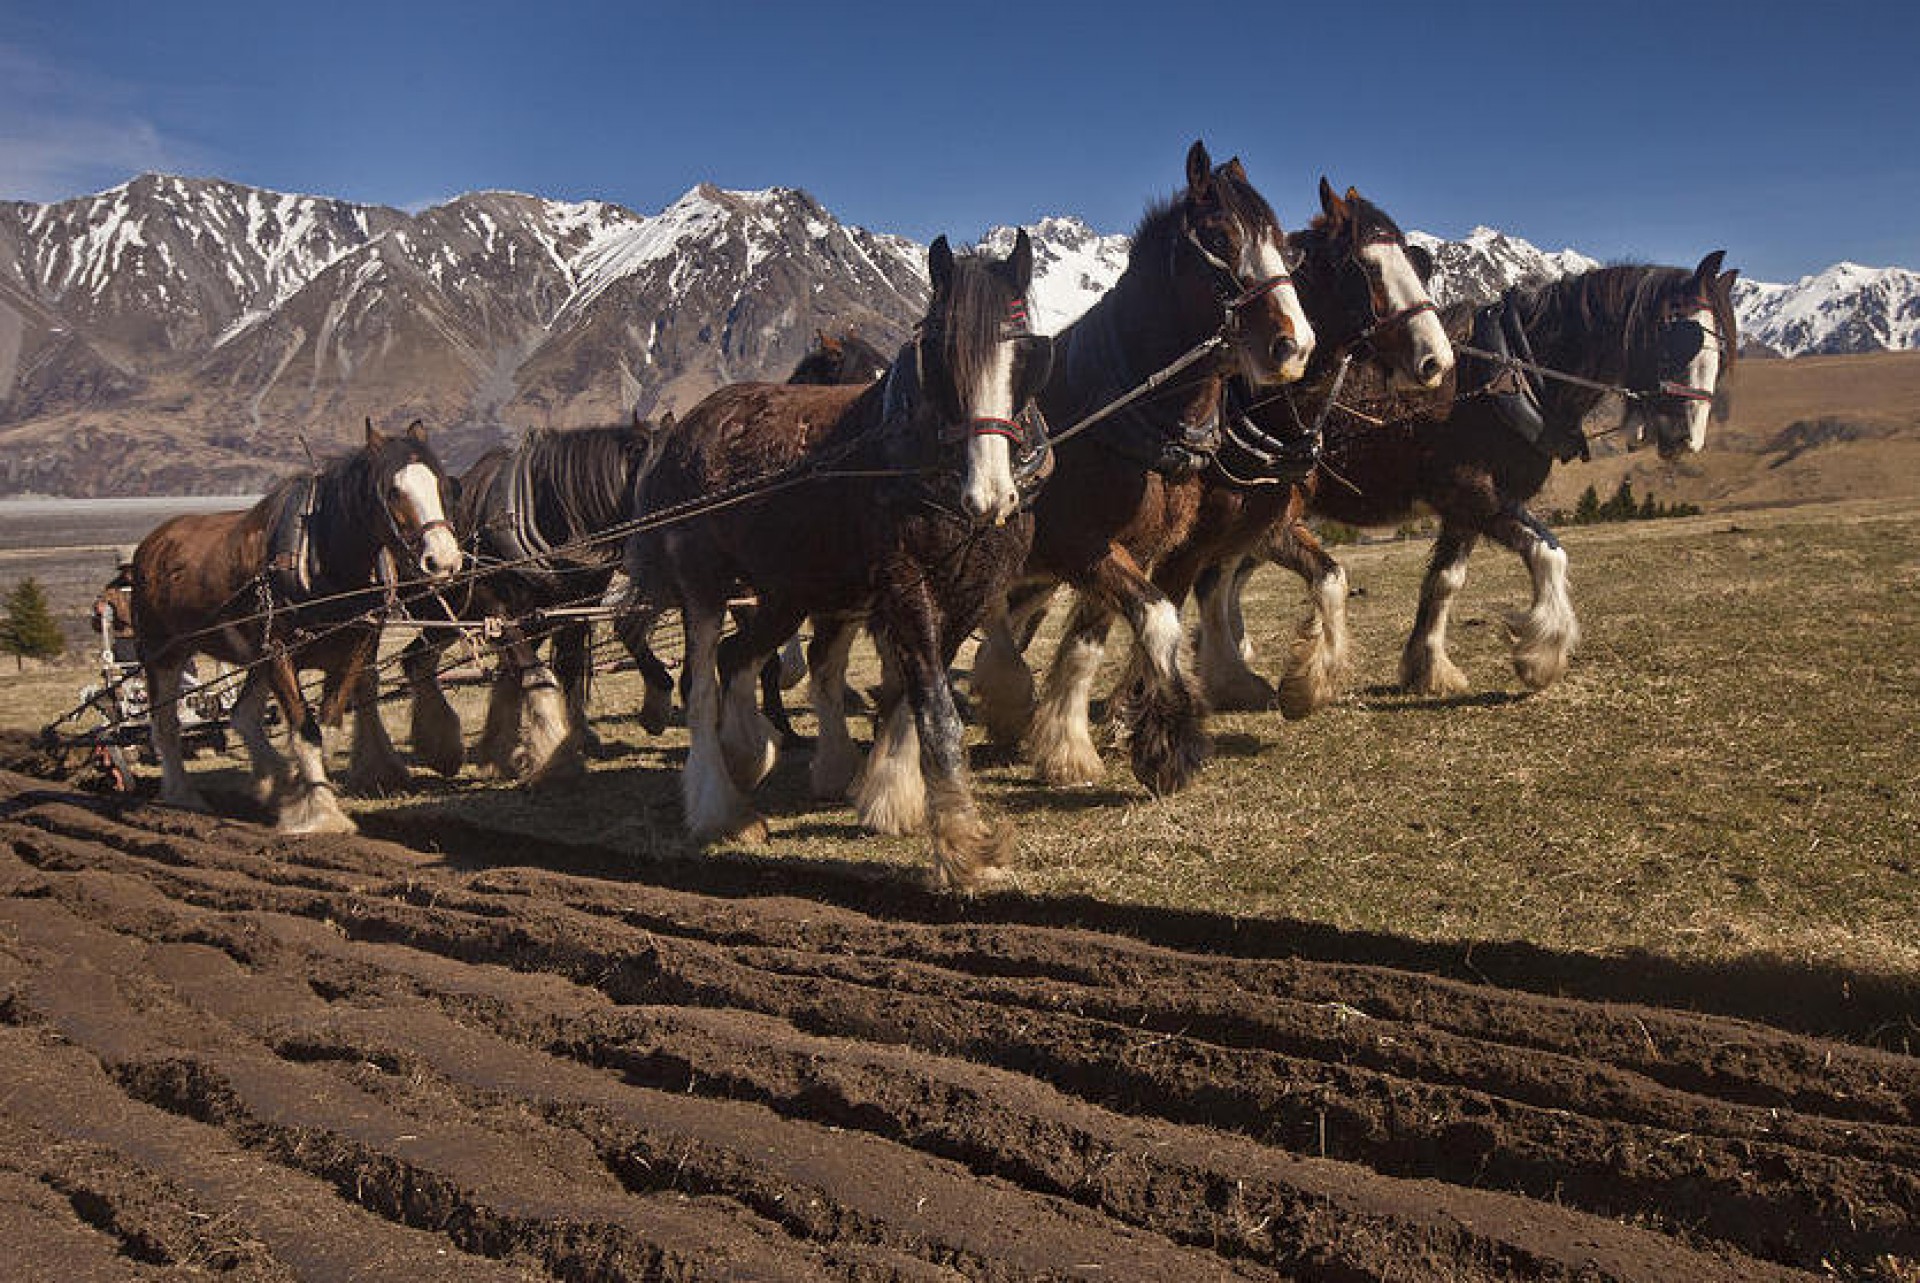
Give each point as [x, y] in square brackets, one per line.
[940, 263]
[374, 436]
[1021, 261]
[417, 432]
[1727, 278]
[1709, 267]
[1331, 205]
[1236, 171]
[1199, 170]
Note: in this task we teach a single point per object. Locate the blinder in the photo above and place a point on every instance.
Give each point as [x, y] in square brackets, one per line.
[1680, 342]
[1677, 343]
[1422, 259]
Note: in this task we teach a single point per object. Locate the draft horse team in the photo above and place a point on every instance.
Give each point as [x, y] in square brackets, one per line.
[1236, 379]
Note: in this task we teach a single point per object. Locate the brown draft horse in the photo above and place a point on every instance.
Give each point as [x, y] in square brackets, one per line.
[1209, 265]
[1365, 290]
[532, 518]
[843, 360]
[281, 587]
[1666, 334]
[919, 553]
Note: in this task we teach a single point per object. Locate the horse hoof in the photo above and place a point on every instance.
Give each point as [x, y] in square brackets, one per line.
[656, 711]
[748, 830]
[969, 853]
[316, 812]
[1246, 693]
[567, 764]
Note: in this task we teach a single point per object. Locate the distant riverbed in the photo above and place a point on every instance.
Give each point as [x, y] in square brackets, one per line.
[44, 523]
[70, 547]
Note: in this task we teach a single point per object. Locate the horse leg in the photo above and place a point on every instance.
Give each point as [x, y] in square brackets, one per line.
[967, 849]
[1002, 682]
[375, 769]
[436, 727]
[1424, 666]
[1545, 635]
[773, 705]
[249, 721]
[1320, 657]
[1060, 741]
[1221, 650]
[716, 809]
[554, 725]
[573, 665]
[163, 704]
[836, 759]
[748, 740]
[891, 793]
[530, 729]
[657, 707]
[501, 732]
[1163, 712]
[310, 806]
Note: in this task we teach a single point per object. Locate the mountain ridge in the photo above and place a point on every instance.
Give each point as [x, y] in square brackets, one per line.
[194, 334]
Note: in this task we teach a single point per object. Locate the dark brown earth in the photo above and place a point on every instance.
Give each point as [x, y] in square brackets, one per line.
[233, 1055]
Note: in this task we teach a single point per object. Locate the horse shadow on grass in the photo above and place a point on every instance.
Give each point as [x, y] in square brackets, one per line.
[1391, 699]
[1813, 999]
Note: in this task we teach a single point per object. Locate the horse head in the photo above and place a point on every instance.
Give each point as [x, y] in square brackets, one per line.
[846, 359]
[1230, 270]
[411, 490]
[1367, 287]
[978, 366]
[1692, 346]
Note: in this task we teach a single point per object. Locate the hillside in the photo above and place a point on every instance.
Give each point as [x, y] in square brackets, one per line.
[1808, 430]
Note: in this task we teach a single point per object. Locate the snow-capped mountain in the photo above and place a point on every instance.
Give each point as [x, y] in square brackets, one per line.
[1478, 268]
[1073, 265]
[1847, 308]
[179, 334]
[190, 333]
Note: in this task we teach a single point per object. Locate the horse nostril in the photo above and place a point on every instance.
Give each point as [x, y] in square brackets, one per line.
[1430, 368]
[1284, 347]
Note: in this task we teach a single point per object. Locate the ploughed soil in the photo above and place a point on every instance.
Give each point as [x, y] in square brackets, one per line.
[230, 1054]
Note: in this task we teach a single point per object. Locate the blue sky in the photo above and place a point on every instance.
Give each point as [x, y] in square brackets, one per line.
[1788, 136]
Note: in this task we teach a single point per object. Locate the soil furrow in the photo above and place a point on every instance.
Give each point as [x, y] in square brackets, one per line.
[776, 1069]
[490, 1195]
[1204, 999]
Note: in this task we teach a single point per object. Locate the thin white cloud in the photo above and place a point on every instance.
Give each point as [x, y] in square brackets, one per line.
[66, 133]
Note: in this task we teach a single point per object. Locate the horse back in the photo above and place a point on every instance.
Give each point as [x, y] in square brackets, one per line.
[748, 430]
[193, 569]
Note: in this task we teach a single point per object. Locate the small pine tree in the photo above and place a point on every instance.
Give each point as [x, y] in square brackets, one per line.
[1587, 511]
[1621, 506]
[28, 630]
[1649, 509]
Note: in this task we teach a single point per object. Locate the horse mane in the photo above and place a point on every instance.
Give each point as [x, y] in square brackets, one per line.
[584, 476]
[975, 318]
[1366, 218]
[1160, 224]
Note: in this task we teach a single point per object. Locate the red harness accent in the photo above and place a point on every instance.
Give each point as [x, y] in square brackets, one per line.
[1683, 392]
[989, 426]
[1260, 290]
